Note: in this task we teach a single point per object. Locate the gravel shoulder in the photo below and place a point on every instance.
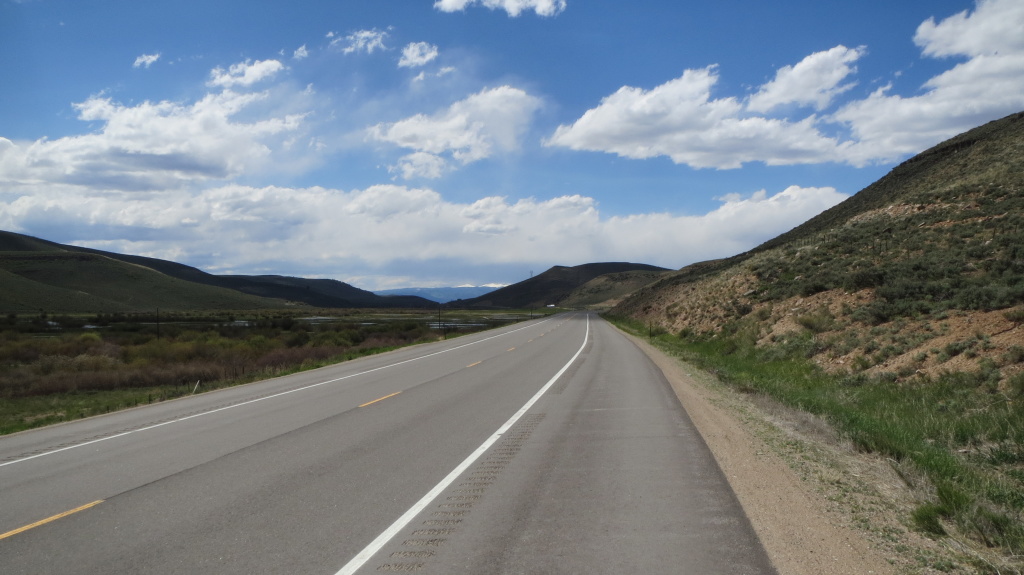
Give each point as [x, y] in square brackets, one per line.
[817, 505]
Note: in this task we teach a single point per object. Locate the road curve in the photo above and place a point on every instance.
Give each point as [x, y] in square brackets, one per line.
[551, 446]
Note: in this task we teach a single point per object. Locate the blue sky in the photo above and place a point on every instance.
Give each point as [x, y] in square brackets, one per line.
[425, 143]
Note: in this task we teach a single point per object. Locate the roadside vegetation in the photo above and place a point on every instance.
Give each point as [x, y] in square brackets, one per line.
[59, 368]
[957, 437]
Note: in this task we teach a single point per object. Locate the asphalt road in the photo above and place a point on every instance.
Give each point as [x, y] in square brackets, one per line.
[551, 446]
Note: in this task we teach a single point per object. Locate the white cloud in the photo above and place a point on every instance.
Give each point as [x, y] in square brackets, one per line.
[813, 81]
[417, 54]
[681, 120]
[513, 7]
[439, 74]
[469, 130]
[420, 165]
[150, 146]
[366, 234]
[146, 60]
[361, 41]
[244, 73]
[300, 53]
[993, 27]
[989, 85]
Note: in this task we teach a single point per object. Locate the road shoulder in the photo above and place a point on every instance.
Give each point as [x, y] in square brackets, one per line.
[800, 530]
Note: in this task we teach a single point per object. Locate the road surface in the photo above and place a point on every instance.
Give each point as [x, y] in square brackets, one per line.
[550, 446]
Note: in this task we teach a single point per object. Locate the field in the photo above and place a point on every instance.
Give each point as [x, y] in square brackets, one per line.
[59, 368]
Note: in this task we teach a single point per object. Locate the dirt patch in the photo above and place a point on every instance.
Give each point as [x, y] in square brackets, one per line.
[817, 505]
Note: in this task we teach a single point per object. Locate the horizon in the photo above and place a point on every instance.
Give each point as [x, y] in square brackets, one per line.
[473, 141]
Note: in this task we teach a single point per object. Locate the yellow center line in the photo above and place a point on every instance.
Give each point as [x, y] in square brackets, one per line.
[49, 519]
[380, 399]
[472, 364]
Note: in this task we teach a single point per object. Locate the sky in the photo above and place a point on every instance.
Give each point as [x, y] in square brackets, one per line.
[398, 143]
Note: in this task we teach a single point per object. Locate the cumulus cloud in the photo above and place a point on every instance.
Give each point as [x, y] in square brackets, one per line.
[417, 54]
[469, 130]
[150, 146]
[300, 53]
[367, 41]
[988, 85]
[146, 60]
[993, 27]
[364, 235]
[244, 73]
[420, 165]
[681, 120]
[815, 80]
[513, 7]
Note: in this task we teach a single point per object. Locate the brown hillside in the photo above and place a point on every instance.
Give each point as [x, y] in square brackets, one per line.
[606, 291]
[921, 272]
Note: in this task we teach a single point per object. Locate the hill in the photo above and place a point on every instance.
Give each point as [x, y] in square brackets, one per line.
[64, 278]
[608, 290]
[551, 287]
[69, 282]
[440, 294]
[902, 278]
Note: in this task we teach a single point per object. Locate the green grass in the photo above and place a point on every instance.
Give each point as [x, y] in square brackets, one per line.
[62, 282]
[958, 429]
[30, 412]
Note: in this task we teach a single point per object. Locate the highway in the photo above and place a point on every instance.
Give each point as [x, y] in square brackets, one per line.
[549, 446]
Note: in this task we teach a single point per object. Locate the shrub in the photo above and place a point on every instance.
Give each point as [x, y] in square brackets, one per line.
[819, 321]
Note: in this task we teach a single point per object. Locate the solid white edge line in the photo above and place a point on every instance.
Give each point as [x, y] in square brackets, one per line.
[370, 550]
[193, 416]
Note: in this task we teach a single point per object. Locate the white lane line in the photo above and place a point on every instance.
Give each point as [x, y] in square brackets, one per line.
[193, 416]
[389, 533]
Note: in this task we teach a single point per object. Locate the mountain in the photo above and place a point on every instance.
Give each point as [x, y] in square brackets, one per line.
[76, 282]
[901, 278]
[440, 294]
[41, 274]
[550, 287]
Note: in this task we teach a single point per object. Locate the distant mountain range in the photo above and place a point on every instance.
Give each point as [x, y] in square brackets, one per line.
[440, 294]
[40, 275]
[549, 288]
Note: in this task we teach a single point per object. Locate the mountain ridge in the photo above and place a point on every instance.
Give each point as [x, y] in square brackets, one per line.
[550, 287]
[281, 289]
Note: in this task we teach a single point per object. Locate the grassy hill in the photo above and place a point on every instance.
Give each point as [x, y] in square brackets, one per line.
[549, 288]
[63, 282]
[88, 280]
